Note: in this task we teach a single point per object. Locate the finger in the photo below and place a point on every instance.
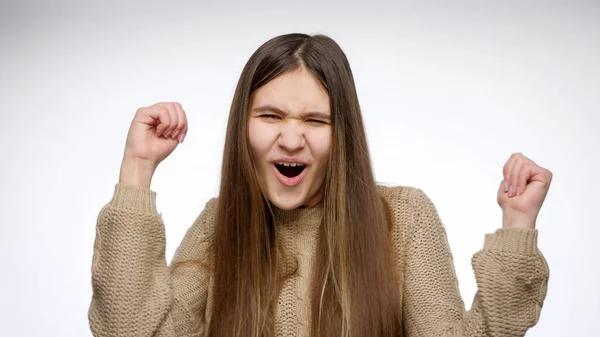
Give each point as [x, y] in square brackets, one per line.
[174, 120]
[179, 133]
[164, 119]
[546, 176]
[507, 171]
[182, 135]
[541, 175]
[525, 172]
[147, 115]
[513, 179]
[501, 186]
[185, 126]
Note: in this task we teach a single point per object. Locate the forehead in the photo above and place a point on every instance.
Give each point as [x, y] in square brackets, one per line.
[295, 92]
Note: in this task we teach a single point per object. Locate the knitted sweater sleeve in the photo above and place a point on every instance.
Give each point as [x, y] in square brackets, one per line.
[511, 274]
[135, 293]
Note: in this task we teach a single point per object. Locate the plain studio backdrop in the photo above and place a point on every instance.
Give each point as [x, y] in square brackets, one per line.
[448, 91]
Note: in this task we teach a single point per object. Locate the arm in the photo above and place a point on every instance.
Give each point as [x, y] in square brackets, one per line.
[511, 275]
[135, 293]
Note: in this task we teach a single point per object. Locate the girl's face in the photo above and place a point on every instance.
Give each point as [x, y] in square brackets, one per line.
[290, 137]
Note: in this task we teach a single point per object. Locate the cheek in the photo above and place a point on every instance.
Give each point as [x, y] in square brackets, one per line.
[260, 137]
[320, 141]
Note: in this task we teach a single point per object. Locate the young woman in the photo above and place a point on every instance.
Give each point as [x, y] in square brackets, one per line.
[301, 241]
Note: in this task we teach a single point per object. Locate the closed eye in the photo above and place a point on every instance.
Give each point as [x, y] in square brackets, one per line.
[317, 121]
[269, 116]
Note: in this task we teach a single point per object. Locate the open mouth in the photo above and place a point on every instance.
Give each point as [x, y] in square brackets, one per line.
[290, 170]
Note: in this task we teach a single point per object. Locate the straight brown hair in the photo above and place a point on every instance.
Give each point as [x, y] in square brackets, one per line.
[356, 292]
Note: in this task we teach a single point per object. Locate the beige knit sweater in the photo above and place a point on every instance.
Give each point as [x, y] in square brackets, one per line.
[135, 292]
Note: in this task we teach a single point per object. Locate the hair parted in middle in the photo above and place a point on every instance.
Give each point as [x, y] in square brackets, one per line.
[356, 290]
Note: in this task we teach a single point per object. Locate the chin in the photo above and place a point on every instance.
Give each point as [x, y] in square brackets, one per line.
[287, 201]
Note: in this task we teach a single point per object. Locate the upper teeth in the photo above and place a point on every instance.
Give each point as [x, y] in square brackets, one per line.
[289, 164]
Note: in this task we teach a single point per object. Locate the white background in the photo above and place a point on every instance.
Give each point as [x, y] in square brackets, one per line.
[448, 92]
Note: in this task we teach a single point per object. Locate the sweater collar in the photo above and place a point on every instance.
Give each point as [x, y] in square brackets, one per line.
[306, 217]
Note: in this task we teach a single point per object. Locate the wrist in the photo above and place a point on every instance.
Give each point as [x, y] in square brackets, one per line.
[136, 172]
[516, 219]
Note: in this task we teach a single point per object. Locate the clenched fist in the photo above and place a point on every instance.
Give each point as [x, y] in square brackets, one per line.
[153, 135]
[522, 191]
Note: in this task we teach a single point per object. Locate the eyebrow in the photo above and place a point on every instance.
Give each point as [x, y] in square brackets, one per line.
[271, 108]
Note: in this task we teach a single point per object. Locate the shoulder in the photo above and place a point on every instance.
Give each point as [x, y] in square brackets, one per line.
[206, 219]
[409, 208]
[202, 230]
[403, 198]
[197, 242]
[210, 208]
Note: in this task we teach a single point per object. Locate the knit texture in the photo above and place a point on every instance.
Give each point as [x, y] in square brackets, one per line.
[135, 292]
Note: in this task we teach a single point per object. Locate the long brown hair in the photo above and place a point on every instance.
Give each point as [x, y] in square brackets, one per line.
[356, 292]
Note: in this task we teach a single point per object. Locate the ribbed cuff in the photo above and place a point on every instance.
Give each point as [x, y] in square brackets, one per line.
[512, 240]
[134, 197]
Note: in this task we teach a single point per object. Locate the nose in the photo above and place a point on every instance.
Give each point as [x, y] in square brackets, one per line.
[291, 138]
